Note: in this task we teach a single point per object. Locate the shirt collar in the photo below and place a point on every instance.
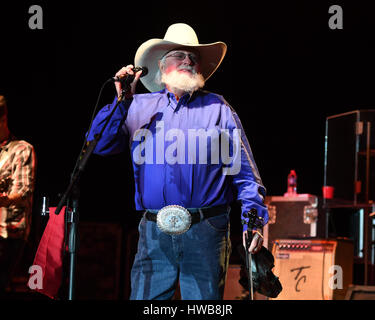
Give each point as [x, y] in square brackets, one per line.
[186, 97]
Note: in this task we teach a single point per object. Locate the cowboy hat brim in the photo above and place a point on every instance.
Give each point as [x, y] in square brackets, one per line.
[151, 51]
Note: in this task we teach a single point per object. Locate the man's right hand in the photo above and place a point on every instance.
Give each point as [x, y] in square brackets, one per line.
[122, 73]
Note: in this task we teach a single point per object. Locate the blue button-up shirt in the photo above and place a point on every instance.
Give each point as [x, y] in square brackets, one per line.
[179, 151]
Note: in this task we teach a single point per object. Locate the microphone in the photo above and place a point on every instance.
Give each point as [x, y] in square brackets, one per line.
[129, 77]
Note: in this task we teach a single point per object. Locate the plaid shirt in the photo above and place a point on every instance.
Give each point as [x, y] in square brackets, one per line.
[17, 173]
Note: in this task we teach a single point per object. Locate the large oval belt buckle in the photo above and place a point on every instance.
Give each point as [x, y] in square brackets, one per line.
[173, 219]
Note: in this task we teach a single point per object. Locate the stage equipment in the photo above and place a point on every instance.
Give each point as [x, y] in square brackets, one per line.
[313, 269]
[290, 217]
[129, 78]
[349, 153]
[349, 168]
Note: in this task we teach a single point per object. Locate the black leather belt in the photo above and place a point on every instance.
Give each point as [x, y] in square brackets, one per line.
[197, 214]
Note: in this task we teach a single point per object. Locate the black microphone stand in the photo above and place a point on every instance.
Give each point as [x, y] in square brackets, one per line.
[72, 193]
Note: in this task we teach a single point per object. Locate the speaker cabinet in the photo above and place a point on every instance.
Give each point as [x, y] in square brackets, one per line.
[313, 269]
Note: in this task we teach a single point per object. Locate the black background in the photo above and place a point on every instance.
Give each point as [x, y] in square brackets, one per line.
[285, 71]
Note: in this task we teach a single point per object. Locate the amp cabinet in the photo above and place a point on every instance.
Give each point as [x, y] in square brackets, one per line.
[319, 269]
[290, 217]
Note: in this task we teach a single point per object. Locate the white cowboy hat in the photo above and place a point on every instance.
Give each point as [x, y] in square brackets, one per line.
[178, 35]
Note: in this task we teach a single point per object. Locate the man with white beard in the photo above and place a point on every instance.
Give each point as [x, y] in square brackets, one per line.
[184, 231]
[178, 81]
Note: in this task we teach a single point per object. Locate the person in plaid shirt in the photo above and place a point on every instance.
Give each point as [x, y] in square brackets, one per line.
[17, 172]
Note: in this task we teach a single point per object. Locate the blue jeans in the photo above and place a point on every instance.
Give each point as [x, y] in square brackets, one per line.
[198, 259]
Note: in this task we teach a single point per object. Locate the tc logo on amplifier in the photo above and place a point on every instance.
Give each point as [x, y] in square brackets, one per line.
[299, 277]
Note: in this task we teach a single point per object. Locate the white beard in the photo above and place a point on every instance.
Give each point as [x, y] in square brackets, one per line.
[183, 81]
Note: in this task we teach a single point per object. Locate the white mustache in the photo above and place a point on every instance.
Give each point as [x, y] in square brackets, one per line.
[180, 80]
[189, 68]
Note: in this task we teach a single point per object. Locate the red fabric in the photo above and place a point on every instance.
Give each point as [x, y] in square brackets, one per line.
[49, 255]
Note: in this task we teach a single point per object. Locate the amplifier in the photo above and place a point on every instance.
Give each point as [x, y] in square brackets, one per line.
[313, 269]
[290, 217]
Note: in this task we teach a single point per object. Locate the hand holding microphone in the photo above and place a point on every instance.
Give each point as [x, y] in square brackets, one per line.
[128, 75]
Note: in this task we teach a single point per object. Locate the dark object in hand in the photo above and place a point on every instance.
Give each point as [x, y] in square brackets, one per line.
[264, 281]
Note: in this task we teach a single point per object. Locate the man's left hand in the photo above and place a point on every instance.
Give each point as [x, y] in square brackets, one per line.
[256, 243]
